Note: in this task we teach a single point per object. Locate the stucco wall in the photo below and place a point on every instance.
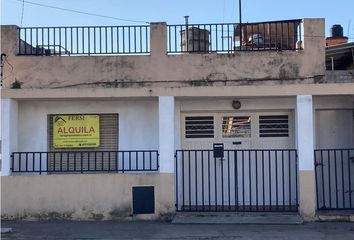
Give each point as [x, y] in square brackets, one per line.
[141, 71]
[83, 196]
[160, 69]
[138, 121]
[307, 194]
[211, 104]
[37, 196]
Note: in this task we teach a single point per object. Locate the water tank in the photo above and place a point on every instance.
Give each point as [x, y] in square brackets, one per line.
[198, 40]
[256, 40]
[336, 31]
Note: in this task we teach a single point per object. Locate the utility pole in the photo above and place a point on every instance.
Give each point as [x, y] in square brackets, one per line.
[240, 11]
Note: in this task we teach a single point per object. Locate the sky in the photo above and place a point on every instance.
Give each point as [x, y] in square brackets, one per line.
[172, 12]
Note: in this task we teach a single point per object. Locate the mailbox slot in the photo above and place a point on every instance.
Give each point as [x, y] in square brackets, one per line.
[218, 150]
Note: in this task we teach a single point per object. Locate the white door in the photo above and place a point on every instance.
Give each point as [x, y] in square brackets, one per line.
[242, 178]
[334, 129]
[334, 168]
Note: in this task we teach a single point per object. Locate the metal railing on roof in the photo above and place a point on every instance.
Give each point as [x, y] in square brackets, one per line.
[185, 38]
[90, 40]
[232, 37]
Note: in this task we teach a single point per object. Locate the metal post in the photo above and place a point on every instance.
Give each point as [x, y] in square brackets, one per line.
[240, 11]
[240, 15]
[332, 63]
[187, 32]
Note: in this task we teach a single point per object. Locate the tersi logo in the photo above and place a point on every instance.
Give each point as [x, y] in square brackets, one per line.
[59, 121]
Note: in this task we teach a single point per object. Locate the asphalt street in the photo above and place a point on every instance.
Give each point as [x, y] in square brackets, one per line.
[158, 230]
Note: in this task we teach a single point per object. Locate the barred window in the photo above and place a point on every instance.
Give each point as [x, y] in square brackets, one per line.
[274, 126]
[199, 127]
[236, 127]
[71, 160]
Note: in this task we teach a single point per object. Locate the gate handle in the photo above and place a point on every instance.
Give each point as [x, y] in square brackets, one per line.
[236, 143]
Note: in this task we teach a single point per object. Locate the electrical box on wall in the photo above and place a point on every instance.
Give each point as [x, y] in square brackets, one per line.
[143, 200]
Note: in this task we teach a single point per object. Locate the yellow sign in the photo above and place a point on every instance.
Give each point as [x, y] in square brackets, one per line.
[76, 131]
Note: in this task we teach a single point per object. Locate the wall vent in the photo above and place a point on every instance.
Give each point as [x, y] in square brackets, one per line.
[199, 127]
[274, 126]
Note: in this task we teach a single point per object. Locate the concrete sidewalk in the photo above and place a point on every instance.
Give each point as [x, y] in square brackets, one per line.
[238, 218]
[157, 230]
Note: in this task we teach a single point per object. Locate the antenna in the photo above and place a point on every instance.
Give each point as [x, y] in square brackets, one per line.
[240, 10]
[349, 22]
[240, 16]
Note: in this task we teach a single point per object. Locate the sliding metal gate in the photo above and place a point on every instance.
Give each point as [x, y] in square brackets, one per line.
[244, 180]
[334, 170]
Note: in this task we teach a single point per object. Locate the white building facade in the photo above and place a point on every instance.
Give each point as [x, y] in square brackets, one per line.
[284, 132]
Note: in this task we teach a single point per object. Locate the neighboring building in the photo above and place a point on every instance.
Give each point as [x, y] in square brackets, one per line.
[340, 57]
[106, 122]
[336, 37]
[339, 53]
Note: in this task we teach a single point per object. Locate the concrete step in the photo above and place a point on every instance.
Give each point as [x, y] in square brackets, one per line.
[238, 218]
[6, 230]
[335, 215]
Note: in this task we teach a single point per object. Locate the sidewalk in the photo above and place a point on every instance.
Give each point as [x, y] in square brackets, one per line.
[157, 230]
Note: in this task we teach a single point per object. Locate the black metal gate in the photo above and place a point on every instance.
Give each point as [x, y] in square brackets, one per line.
[334, 170]
[243, 180]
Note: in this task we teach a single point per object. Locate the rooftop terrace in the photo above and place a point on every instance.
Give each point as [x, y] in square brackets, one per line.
[144, 59]
[199, 38]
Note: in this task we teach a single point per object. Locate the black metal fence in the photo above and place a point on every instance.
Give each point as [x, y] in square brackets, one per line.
[91, 40]
[84, 161]
[244, 180]
[334, 170]
[191, 38]
[231, 37]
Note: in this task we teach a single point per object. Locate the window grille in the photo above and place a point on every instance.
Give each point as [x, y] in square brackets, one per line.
[108, 142]
[236, 127]
[199, 127]
[274, 126]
